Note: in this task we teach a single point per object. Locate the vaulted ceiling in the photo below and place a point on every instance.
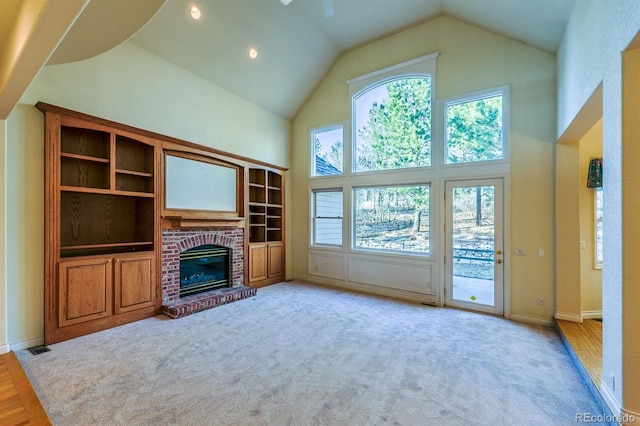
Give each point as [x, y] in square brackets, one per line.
[296, 44]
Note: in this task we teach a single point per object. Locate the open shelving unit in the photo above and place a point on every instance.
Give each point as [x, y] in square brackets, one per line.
[102, 226]
[107, 192]
[266, 237]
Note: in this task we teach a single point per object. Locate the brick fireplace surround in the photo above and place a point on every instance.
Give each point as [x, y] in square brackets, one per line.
[174, 242]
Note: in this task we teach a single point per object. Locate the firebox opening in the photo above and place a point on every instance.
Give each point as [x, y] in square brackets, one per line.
[204, 268]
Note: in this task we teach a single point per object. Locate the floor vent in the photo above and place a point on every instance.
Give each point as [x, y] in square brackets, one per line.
[37, 350]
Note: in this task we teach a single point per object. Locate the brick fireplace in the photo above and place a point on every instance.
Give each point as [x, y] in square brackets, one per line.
[176, 241]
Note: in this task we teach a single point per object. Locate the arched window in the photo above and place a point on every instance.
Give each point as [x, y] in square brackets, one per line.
[393, 125]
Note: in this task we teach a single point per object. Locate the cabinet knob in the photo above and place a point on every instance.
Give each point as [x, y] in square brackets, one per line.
[117, 260]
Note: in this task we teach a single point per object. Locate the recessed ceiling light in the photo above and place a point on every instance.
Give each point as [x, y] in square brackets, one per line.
[195, 12]
[253, 53]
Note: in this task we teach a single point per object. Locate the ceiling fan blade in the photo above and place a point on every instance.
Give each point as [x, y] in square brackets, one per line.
[327, 6]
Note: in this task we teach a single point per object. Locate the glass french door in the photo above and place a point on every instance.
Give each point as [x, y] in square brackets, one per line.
[474, 261]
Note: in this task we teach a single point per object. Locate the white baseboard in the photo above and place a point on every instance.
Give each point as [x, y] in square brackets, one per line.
[300, 277]
[4, 348]
[592, 314]
[610, 399]
[618, 414]
[27, 344]
[567, 317]
[375, 290]
[531, 320]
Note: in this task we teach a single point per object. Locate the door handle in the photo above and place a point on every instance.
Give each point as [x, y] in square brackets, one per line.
[499, 252]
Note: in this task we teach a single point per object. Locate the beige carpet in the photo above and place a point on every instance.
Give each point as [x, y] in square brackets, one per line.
[297, 354]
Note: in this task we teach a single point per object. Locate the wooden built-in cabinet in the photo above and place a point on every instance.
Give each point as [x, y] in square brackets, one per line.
[96, 287]
[102, 225]
[265, 226]
[104, 198]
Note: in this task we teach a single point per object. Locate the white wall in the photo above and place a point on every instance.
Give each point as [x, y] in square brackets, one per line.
[590, 278]
[128, 85]
[3, 277]
[471, 59]
[25, 226]
[567, 226]
[588, 56]
[596, 34]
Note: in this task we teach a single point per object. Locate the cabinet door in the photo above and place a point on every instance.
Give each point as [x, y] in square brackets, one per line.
[85, 290]
[134, 282]
[275, 259]
[257, 262]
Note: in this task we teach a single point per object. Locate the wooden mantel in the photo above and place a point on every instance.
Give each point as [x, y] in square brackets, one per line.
[183, 222]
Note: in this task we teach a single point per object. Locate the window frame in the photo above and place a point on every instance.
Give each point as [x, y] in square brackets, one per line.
[314, 217]
[354, 248]
[374, 85]
[503, 91]
[312, 162]
[423, 66]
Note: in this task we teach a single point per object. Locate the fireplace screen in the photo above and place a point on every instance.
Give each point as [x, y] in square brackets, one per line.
[204, 268]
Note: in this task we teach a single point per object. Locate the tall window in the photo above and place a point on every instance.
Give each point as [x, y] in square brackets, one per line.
[390, 129]
[327, 146]
[327, 217]
[393, 218]
[474, 130]
[393, 125]
[599, 205]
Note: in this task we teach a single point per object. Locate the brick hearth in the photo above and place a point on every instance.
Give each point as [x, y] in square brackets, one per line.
[174, 242]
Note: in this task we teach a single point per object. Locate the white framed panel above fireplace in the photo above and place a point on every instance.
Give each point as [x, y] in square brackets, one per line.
[197, 186]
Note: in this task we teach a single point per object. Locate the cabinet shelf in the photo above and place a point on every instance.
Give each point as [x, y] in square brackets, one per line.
[274, 180]
[85, 142]
[134, 173]
[106, 192]
[257, 177]
[257, 219]
[110, 245]
[133, 155]
[79, 251]
[84, 157]
[94, 221]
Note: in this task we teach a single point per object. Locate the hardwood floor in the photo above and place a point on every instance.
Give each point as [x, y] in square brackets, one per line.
[586, 341]
[19, 404]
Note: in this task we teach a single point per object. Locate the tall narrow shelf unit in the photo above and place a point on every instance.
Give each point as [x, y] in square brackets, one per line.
[266, 226]
[102, 235]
